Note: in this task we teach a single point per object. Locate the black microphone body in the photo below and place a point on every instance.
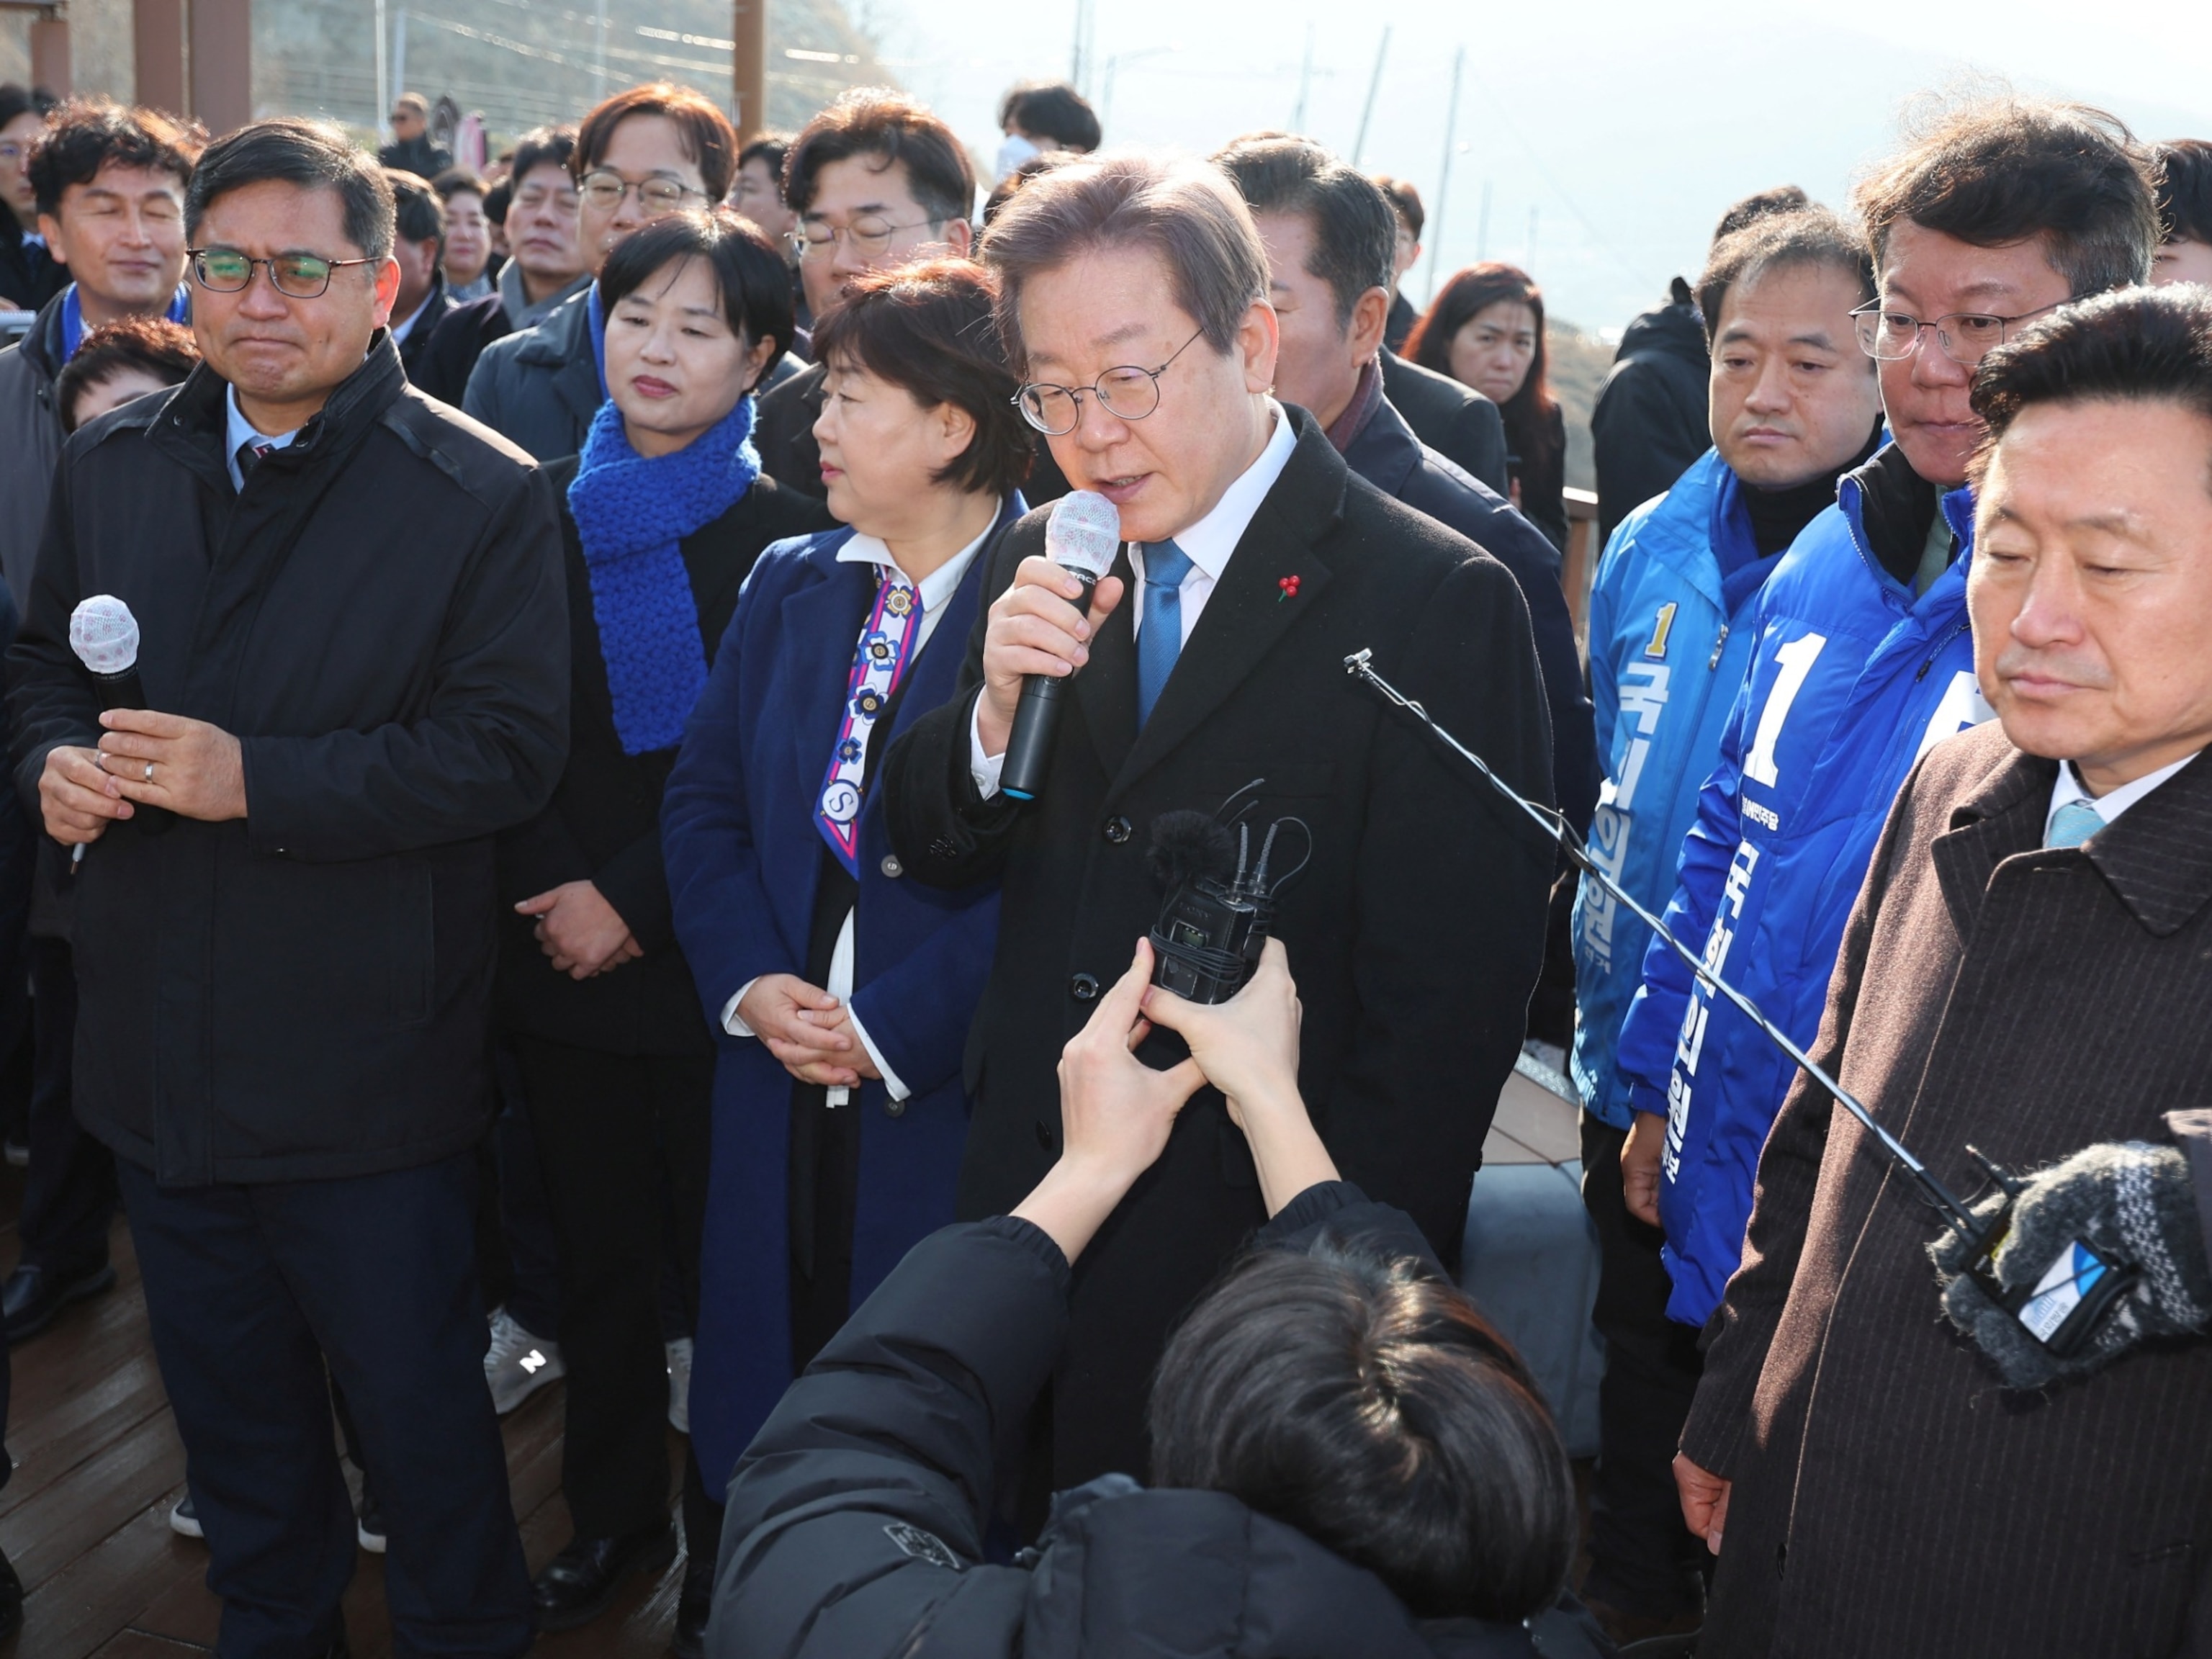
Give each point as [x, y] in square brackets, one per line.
[121, 689]
[1036, 716]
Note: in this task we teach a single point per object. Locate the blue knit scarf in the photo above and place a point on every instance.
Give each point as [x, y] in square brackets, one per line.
[631, 513]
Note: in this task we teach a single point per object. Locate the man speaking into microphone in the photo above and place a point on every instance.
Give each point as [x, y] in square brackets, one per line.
[1134, 304]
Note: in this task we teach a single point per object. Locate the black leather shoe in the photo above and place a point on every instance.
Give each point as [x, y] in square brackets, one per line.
[689, 1641]
[579, 1584]
[11, 1601]
[33, 1295]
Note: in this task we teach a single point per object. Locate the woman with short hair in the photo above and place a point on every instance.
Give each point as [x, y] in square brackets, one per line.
[845, 989]
[663, 514]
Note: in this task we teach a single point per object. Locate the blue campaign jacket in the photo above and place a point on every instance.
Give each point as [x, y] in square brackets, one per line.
[743, 856]
[1668, 649]
[1851, 680]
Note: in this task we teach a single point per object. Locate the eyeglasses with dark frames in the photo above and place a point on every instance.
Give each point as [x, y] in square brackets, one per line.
[1128, 393]
[296, 275]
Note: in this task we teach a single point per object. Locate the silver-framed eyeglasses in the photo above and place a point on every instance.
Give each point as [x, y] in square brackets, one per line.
[869, 236]
[1965, 337]
[1128, 393]
[605, 188]
[297, 275]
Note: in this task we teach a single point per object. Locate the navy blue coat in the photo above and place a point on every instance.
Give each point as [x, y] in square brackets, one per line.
[743, 855]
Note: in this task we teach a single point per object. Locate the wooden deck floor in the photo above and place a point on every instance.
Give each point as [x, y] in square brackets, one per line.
[98, 1466]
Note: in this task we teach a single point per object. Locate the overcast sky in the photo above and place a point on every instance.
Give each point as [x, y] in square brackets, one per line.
[1623, 133]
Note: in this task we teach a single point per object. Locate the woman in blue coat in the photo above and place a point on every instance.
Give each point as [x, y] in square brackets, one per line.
[842, 992]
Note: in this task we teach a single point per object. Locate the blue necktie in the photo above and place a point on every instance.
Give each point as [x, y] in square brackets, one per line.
[1160, 641]
[2072, 824]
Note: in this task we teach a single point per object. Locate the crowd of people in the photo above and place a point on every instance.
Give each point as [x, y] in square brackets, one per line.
[463, 917]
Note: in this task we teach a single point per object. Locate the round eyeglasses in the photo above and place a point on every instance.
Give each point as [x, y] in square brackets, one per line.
[297, 275]
[1128, 393]
[1965, 337]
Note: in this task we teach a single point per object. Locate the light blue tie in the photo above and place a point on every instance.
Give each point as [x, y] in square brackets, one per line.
[1160, 641]
[2072, 824]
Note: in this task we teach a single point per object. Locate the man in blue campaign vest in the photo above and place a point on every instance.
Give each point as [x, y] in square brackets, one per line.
[1793, 403]
[1862, 658]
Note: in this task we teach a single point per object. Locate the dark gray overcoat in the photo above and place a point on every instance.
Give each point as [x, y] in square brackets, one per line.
[1890, 1498]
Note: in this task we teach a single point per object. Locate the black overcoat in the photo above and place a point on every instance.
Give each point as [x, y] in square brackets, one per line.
[1890, 1497]
[379, 617]
[602, 824]
[1414, 932]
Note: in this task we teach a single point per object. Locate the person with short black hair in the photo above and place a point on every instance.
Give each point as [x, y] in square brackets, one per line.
[468, 263]
[111, 184]
[1037, 116]
[756, 189]
[2184, 211]
[1411, 218]
[419, 247]
[841, 1112]
[1486, 330]
[666, 512]
[642, 154]
[284, 930]
[123, 361]
[2024, 972]
[1649, 422]
[412, 149]
[1795, 405]
[1329, 233]
[1345, 1457]
[536, 207]
[28, 275]
[876, 181]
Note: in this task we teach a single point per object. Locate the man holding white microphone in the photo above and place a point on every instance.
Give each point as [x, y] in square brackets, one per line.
[284, 976]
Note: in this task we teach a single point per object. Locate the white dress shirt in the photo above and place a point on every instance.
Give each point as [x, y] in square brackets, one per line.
[1208, 545]
[402, 330]
[237, 430]
[2114, 802]
[935, 589]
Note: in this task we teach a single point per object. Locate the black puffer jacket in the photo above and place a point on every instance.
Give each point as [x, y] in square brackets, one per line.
[379, 619]
[854, 1522]
[1650, 419]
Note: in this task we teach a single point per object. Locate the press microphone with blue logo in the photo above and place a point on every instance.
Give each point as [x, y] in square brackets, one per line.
[1081, 538]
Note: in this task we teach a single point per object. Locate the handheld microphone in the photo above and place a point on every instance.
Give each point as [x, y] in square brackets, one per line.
[105, 636]
[1081, 537]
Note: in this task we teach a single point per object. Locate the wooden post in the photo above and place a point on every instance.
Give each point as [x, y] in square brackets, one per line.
[49, 52]
[157, 41]
[223, 63]
[749, 67]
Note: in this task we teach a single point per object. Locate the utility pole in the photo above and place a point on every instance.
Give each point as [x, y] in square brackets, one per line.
[1443, 173]
[1373, 86]
[383, 71]
[1305, 84]
[748, 66]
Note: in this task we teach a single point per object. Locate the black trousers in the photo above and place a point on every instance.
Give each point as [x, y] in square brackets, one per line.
[68, 1191]
[623, 1139]
[249, 1290]
[1643, 1559]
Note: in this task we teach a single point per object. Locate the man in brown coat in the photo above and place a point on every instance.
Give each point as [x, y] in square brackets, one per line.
[2027, 971]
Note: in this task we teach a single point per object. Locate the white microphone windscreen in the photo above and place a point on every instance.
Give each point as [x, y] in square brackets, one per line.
[105, 635]
[1083, 533]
